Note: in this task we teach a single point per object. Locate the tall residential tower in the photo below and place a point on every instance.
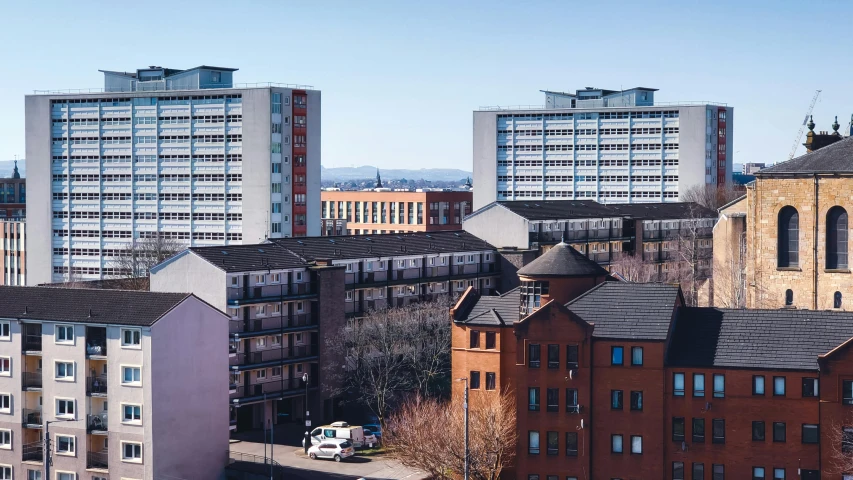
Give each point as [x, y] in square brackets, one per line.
[612, 146]
[184, 153]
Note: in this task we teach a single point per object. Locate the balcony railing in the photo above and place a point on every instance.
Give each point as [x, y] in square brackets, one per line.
[31, 380]
[651, 256]
[271, 354]
[271, 292]
[274, 322]
[272, 385]
[97, 423]
[32, 342]
[97, 460]
[96, 349]
[96, 386]
[31, 418]
[32, 452]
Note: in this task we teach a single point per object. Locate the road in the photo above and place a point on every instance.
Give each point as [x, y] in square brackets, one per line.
[300, 467]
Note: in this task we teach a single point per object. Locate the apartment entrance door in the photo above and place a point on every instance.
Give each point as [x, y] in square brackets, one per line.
[284, 411]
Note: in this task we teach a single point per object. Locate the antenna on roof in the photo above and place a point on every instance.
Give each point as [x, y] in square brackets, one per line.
[90, 313]
[26, 310]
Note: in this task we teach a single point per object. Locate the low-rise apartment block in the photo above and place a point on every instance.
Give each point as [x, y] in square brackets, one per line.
[128, 384]
[285, 295]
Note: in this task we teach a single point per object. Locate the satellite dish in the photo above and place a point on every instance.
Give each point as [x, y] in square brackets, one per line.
[683, 446]
[571, 374]
[581, 423]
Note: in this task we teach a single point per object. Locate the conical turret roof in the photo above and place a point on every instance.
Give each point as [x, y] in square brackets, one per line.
[562, 261]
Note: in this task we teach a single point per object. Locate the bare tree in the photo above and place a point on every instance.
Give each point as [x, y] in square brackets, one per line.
[713, 196]
[633, 268]
[730, 276]
[694, 253]
[390, 353]
[133, 263]
[433, 425]
[841, 447]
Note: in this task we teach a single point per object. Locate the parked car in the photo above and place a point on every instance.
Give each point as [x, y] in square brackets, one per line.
[375, 429]
[340, 430]
[370, 439]
[335, 448]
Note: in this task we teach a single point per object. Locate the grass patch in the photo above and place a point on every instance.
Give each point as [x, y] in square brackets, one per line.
[369, 452]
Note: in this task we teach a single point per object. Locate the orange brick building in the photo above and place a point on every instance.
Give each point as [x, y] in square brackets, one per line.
[382, 210]
[617, 380]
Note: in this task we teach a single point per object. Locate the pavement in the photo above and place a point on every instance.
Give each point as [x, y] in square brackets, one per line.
[288, 452]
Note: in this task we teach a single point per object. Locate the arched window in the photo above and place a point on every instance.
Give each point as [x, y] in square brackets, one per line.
[836, 300]
[836, 238]
[789, 297]
[789, 237]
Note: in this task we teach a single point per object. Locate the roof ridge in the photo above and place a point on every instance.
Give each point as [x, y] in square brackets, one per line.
[587, 292]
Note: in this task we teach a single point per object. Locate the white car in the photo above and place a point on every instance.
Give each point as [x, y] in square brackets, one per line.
[336, 448]
[370, 439]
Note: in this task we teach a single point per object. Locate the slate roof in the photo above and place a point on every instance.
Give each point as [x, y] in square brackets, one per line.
[776, 339]
[245, 258]
[495, 310]
[562, 261]
[835, 158]
[111, 307]
[577, 209]
[636, 311]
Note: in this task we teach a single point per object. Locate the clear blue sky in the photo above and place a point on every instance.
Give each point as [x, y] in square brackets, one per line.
[401, 78]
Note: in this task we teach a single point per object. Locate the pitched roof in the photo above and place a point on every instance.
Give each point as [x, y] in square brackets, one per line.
[577, 209]
[778, 339]
[246, 258]
[495, 310]
[835, 158]
[111, 307]
[562, 261]
[641, 311]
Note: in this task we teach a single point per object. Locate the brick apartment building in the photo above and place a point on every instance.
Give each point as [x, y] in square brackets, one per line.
[13, 196]
[622, 381]
[382, 210]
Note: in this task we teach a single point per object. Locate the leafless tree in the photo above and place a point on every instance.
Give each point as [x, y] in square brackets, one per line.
[433, 426]
[134, 262]
[841, 447]
[713, 196]
[391, 353]
[730, 276]
[634, 269]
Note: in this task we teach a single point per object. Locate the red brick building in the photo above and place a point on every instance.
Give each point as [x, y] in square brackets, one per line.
[617, 380]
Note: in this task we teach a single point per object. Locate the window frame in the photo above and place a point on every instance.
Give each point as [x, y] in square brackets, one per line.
[73, 402]
[788, 224]
[3, 432]
[837, 237]
[755, 473]
[784, 386]
[530, 447]
[699, 393]
[4, 410]
[720, 440]
[701, 475]
[491, 380]
[633, 437]
[763, 425]
[817, 433]
[131, 459]
[763, 385]
[697, 437]
[474, 380]
[636, 406]
[131, 421]
[133, 383]
[617, 399]
[613, 350]
[64, 328]
[555, 350]
[549, 407]
[534, 399]
[138, 337]
[7, 362]
[683, 423]
[66, 453]
[722, 392]
[613, 437]
[570, 452]
[552, 451]
[572, 351]
[5, 326]
[474, 339]
[65, 378]
[534, 347]
[784, 436]
[633, 356]
[675, 465]
[814, 391]
[682, 391]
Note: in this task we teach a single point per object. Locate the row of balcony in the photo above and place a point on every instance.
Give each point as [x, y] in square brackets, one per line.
[96, 340]
[674, 233]
[602, 234]
[95, 424]
[34, 452]
[295, 352]
[273, 385]
[273, 323]
[237, 296]
[419, 273]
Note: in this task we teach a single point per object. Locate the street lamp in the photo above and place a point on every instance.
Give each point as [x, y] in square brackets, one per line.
[305, 410]
[465, 408]
[48, 461]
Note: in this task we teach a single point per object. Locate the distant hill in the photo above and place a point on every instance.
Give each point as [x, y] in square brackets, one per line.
[8, 166]
[339, 174]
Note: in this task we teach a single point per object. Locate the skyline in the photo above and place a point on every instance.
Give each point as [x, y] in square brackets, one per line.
[400, 82]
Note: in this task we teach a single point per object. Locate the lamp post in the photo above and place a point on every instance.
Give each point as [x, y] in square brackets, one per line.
[465, 409]
[305, 410]
[48, 461]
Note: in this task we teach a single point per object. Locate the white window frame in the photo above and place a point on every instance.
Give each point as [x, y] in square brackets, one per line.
[133, 383]
[64, 328]
[39, 472]
[11, 470]
[72, 416]
[3, 432]
[275, 278]
[131, 421]
[300, 307]
[235, 281]
[2, 409]
[276, 308]
[298, 276]
[131, 459]
[276, 340]
[72, 453]
[273, 374]
[136, 346]
[66, 377]
[261, 342]
[8, 362]
[261, 310]
[349, 295]
[261, 374]
[7, 326]
[60, 473]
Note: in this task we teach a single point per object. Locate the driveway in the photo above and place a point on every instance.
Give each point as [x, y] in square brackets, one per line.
[299, 466]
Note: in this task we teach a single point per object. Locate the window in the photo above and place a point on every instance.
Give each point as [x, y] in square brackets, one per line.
[778, 474]
[553, 398]
[847, 393]
[553, 443]
[5, 366]
[65, 408]
[572, 400]
[698, 430]
[616, 355]
[571, 444]
[677, 429]
[678, 384]
[616, 443]
[261, 374]
[836, 300]
[847, 440]
[131, 413]
[810, 387]
[757, 473]
[758, 384]
[616, 399]
[553, 356]
[131, 452]
[130, 337]
[677, 470]
[836, 238]
[718, 472]
[789, 297]
[276, 371]
[698, 384]
[758, 431]
[491, 340]
[779, 431]
[65, 444]
[636, 400]
[636, 355]
[810, 433]
[636, 444]
[474, 383]
[65, 371]
[571, 356]
[778, 385]
[5, 330]
[533, 398]
[533, 442]
[718, 426]
[36, 475]
[131, 375]
[5, 403]
[65, 334]
[719, 385]
[6, 439]
[788, 238]
[533, 354]
[475, 339]
[698, 471]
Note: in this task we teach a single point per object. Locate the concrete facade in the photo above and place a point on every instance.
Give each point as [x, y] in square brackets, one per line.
[13, 255]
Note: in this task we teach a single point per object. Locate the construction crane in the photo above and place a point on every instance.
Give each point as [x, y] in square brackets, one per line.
[803, 127]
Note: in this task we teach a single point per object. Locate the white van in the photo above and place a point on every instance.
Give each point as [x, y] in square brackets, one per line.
[340, 430]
